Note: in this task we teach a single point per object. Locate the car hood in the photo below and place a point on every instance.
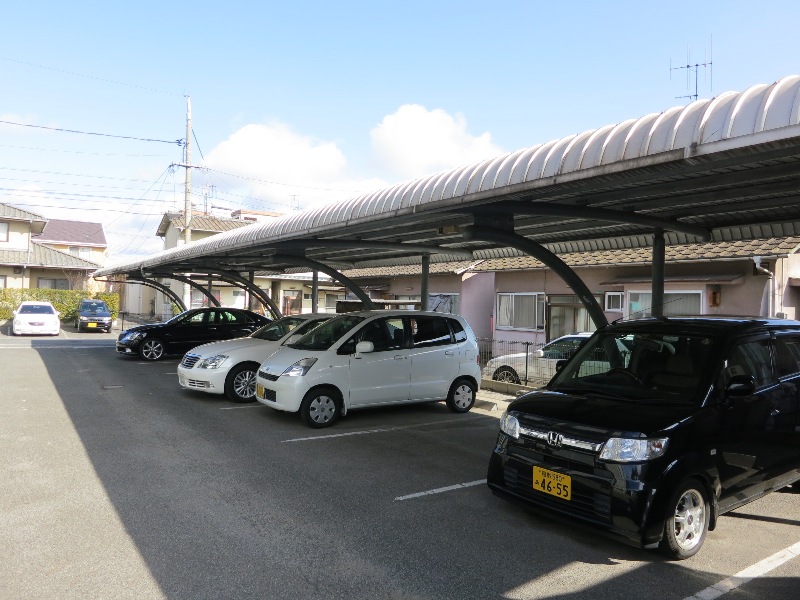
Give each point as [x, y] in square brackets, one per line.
[237, 345]
[284, 357]
[144, 328]
[574, 412]
[94, 313]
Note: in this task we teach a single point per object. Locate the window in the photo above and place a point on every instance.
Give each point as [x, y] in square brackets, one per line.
[520, 311]
[3, 232]
[385, 334]
[750, 358]
[332, 299]
[81, 252]
[788, 356]
[675, 304]
[228, 317]
[53, 284]
[430, 331]
[614, 301]
[458, 331]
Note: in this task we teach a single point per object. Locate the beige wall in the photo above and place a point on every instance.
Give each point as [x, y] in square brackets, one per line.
[18, 236]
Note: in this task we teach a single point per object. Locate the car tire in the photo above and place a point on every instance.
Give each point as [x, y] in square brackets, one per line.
[321, 407]
[152, 349]
[686, 522]
[506, 374]
[240, 384]
[461, 397]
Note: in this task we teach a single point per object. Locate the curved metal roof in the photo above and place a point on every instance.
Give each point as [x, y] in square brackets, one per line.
[683, 164]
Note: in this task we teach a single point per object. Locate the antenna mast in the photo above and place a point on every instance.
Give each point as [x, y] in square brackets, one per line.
[689, 67]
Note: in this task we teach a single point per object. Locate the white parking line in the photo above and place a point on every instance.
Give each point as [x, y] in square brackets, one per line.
[441, 490]
[368, 431]
[760, 568]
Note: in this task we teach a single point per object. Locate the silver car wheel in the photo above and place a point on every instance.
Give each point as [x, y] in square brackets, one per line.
[244, 384]
[152, 349]
[322, 409]
[463, 397]
[690, 520]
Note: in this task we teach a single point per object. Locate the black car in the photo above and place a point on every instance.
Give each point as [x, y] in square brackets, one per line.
[93, 315]
[187, 330]
[655, 428]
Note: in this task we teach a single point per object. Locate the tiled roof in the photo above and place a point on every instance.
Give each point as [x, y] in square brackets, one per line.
[12, 212]
[200, 222]
[79, 233]
[43, 256]
[681, 253]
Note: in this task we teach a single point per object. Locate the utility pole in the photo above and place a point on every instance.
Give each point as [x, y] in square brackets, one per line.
[187, 160]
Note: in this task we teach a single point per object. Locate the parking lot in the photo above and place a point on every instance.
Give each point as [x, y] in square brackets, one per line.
[118, 484]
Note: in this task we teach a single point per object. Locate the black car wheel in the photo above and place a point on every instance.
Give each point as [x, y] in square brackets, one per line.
[321, 407]
[461, 397]
[686, 524]
[506, 374]
[240, 384]
[151, 349]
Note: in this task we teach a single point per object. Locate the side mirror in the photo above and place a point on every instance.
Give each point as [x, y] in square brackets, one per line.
[13, 313]
[364, 348]
[740, 386]
[538, 353]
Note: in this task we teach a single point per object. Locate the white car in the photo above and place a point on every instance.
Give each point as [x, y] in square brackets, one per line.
[35, 317]
[373, 358]
[229, 367]
[541, 363]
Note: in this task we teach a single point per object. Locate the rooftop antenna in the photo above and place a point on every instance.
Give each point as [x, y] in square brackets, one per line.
[706, 65]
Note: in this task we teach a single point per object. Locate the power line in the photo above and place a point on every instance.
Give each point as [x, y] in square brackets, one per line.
[110, 135]
[37, 149]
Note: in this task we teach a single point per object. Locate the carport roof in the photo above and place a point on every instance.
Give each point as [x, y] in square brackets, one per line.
[722, 169]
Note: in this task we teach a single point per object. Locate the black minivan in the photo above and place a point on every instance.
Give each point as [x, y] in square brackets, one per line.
[656, 427]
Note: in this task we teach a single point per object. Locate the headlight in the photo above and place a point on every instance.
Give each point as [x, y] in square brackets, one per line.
[132, 337]
[84, 318]
[509, 425]
[212, 362]
[633, 450]
[300, 368]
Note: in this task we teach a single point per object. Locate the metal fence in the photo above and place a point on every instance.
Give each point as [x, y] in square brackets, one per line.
[515, 361]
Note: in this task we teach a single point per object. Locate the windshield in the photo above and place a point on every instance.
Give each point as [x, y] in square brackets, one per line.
[327, 334]
[639, 366]
[274, 331]
[36, 309]
[95, 306]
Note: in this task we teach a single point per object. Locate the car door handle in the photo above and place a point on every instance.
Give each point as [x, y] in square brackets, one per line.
[448, 353]
[399, 357]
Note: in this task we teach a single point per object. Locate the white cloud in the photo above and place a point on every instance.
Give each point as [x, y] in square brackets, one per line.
[415, 142]
[275, 164]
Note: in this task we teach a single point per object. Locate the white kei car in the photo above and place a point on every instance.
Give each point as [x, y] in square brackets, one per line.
[229, 367]
[541, 364]
[35, 317]
[373, 358]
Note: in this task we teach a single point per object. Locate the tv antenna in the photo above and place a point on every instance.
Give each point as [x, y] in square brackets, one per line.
[706, 65]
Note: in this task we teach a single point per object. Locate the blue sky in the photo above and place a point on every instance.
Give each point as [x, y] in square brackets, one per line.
[303, 103]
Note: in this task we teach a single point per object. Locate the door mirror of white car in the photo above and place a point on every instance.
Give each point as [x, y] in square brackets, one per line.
[538, 353]
[364, 348]
[13, 313]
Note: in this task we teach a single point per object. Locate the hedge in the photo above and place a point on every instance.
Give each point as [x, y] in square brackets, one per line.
[65, 302]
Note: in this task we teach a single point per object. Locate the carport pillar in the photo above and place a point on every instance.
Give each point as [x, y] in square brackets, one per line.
[314, 291]
[251, 277]
[659, 252]
[426, 272]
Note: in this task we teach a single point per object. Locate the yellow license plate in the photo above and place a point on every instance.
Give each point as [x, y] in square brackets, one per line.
[550, 482]
[91, 325]
[259, 390]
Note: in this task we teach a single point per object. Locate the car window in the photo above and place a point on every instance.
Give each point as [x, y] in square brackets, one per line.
[430, 331]
[787, 352]
[385, 334]
[459, 333]
[327, 334]
[750, 358]
[274, 331]
[229, 317]
[561, 349]
[36, 309]
[198, 319]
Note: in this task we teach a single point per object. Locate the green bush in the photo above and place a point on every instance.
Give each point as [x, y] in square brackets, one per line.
[65, 302]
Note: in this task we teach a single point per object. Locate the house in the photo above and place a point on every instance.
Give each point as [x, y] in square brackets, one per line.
[517, 298]
[292, 293]
[83, 239]
[29, 260]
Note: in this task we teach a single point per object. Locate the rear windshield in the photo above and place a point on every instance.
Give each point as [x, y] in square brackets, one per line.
[36, 309]
[327, 334]
[640, 367]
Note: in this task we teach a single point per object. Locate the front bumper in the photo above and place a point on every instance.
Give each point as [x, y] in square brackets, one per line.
[32, 329]
[282, 393]
[127, 348]
[610, 498]
[211, 381]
